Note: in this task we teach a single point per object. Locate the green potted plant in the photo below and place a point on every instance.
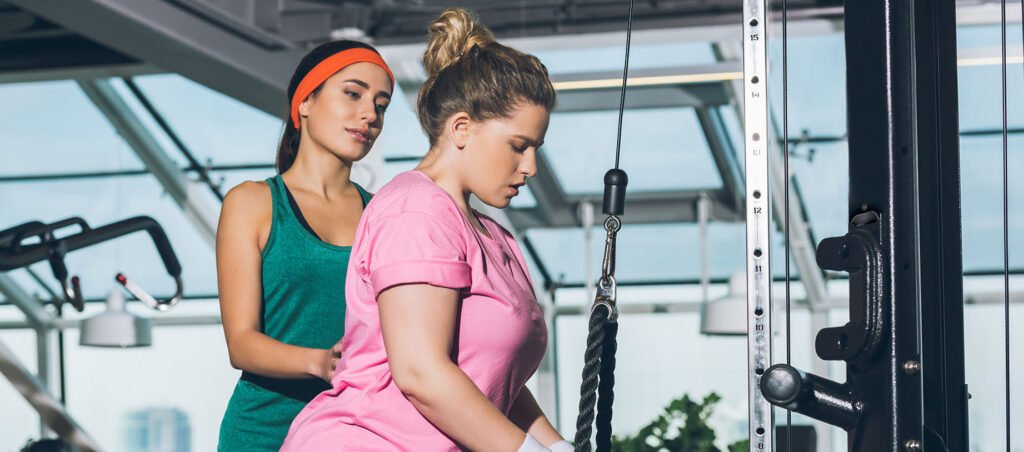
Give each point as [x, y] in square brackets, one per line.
[682, 426]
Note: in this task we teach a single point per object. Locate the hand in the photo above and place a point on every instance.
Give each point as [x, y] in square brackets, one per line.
[530, 444]
[328, 362]
[561, 446]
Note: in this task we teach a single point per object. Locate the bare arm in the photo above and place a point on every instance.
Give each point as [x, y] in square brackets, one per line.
[245, 211]
[527, 415]
[418, 323]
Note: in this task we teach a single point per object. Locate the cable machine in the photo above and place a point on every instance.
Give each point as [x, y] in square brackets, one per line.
[903, 346]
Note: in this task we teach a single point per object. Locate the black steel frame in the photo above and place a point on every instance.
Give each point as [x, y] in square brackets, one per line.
[904, 344]
[903, 124]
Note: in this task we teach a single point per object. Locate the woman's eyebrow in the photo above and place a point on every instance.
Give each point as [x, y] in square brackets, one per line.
[529, 140]
[358, 82]
[367, 86]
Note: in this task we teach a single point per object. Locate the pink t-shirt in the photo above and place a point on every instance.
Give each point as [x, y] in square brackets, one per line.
[413, 233]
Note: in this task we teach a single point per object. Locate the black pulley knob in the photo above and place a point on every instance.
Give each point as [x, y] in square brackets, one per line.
[781, 385]
[615, 181]
[813, 396]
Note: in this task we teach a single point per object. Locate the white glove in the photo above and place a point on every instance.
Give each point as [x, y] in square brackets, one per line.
[562, 446]
[530, 444]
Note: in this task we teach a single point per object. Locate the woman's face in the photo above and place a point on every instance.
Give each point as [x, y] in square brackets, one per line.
[501, 153]
[347, 114]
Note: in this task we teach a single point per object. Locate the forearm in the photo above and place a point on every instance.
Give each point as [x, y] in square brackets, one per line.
[527, 415]
[260, 354]
[450, 400]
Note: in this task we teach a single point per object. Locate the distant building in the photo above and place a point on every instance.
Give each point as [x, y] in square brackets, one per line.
[157, 430]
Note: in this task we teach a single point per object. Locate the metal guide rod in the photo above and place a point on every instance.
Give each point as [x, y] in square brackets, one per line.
[51, 411]
[758, 221]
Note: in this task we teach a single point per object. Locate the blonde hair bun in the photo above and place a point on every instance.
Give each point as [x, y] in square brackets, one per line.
[452, 34]
[468, 71]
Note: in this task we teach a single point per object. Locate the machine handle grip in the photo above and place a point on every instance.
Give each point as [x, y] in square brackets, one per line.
[146, 298]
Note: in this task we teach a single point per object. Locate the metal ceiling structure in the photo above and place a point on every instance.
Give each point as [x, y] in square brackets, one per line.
[246, 50]
[284, 24]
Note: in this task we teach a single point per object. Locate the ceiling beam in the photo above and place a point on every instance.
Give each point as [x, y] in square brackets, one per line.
[199, 209]
[641, 208]
[176, 39]
[408, 23]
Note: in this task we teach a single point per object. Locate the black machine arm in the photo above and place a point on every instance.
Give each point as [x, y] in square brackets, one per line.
[13, 237]
[15, 253]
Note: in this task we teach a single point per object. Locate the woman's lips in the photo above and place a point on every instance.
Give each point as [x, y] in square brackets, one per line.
[358, 134]
[514, 188]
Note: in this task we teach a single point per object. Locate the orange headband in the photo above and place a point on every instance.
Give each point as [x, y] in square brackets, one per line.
[331, 66]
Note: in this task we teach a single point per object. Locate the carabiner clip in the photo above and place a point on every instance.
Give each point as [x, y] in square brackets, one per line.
[606, 295]
[607, 290]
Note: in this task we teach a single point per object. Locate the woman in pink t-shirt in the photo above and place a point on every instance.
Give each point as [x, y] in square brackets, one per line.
[442, 327]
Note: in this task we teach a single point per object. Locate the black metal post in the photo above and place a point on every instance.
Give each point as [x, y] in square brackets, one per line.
[904, 165]
[904, 344]
[940, 257]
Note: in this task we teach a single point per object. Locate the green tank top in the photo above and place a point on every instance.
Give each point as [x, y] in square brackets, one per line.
[303, 281]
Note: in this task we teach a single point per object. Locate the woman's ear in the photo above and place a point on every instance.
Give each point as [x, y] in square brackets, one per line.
[458, 128]
[304, 107]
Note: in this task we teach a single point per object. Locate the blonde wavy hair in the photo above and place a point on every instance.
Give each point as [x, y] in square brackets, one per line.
[469, 71]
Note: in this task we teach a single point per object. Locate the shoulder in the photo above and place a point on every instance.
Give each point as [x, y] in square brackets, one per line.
[248, 193]
[248, 200]
[413, 194]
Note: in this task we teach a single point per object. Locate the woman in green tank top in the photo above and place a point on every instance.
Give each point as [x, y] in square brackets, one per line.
[283, 245]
